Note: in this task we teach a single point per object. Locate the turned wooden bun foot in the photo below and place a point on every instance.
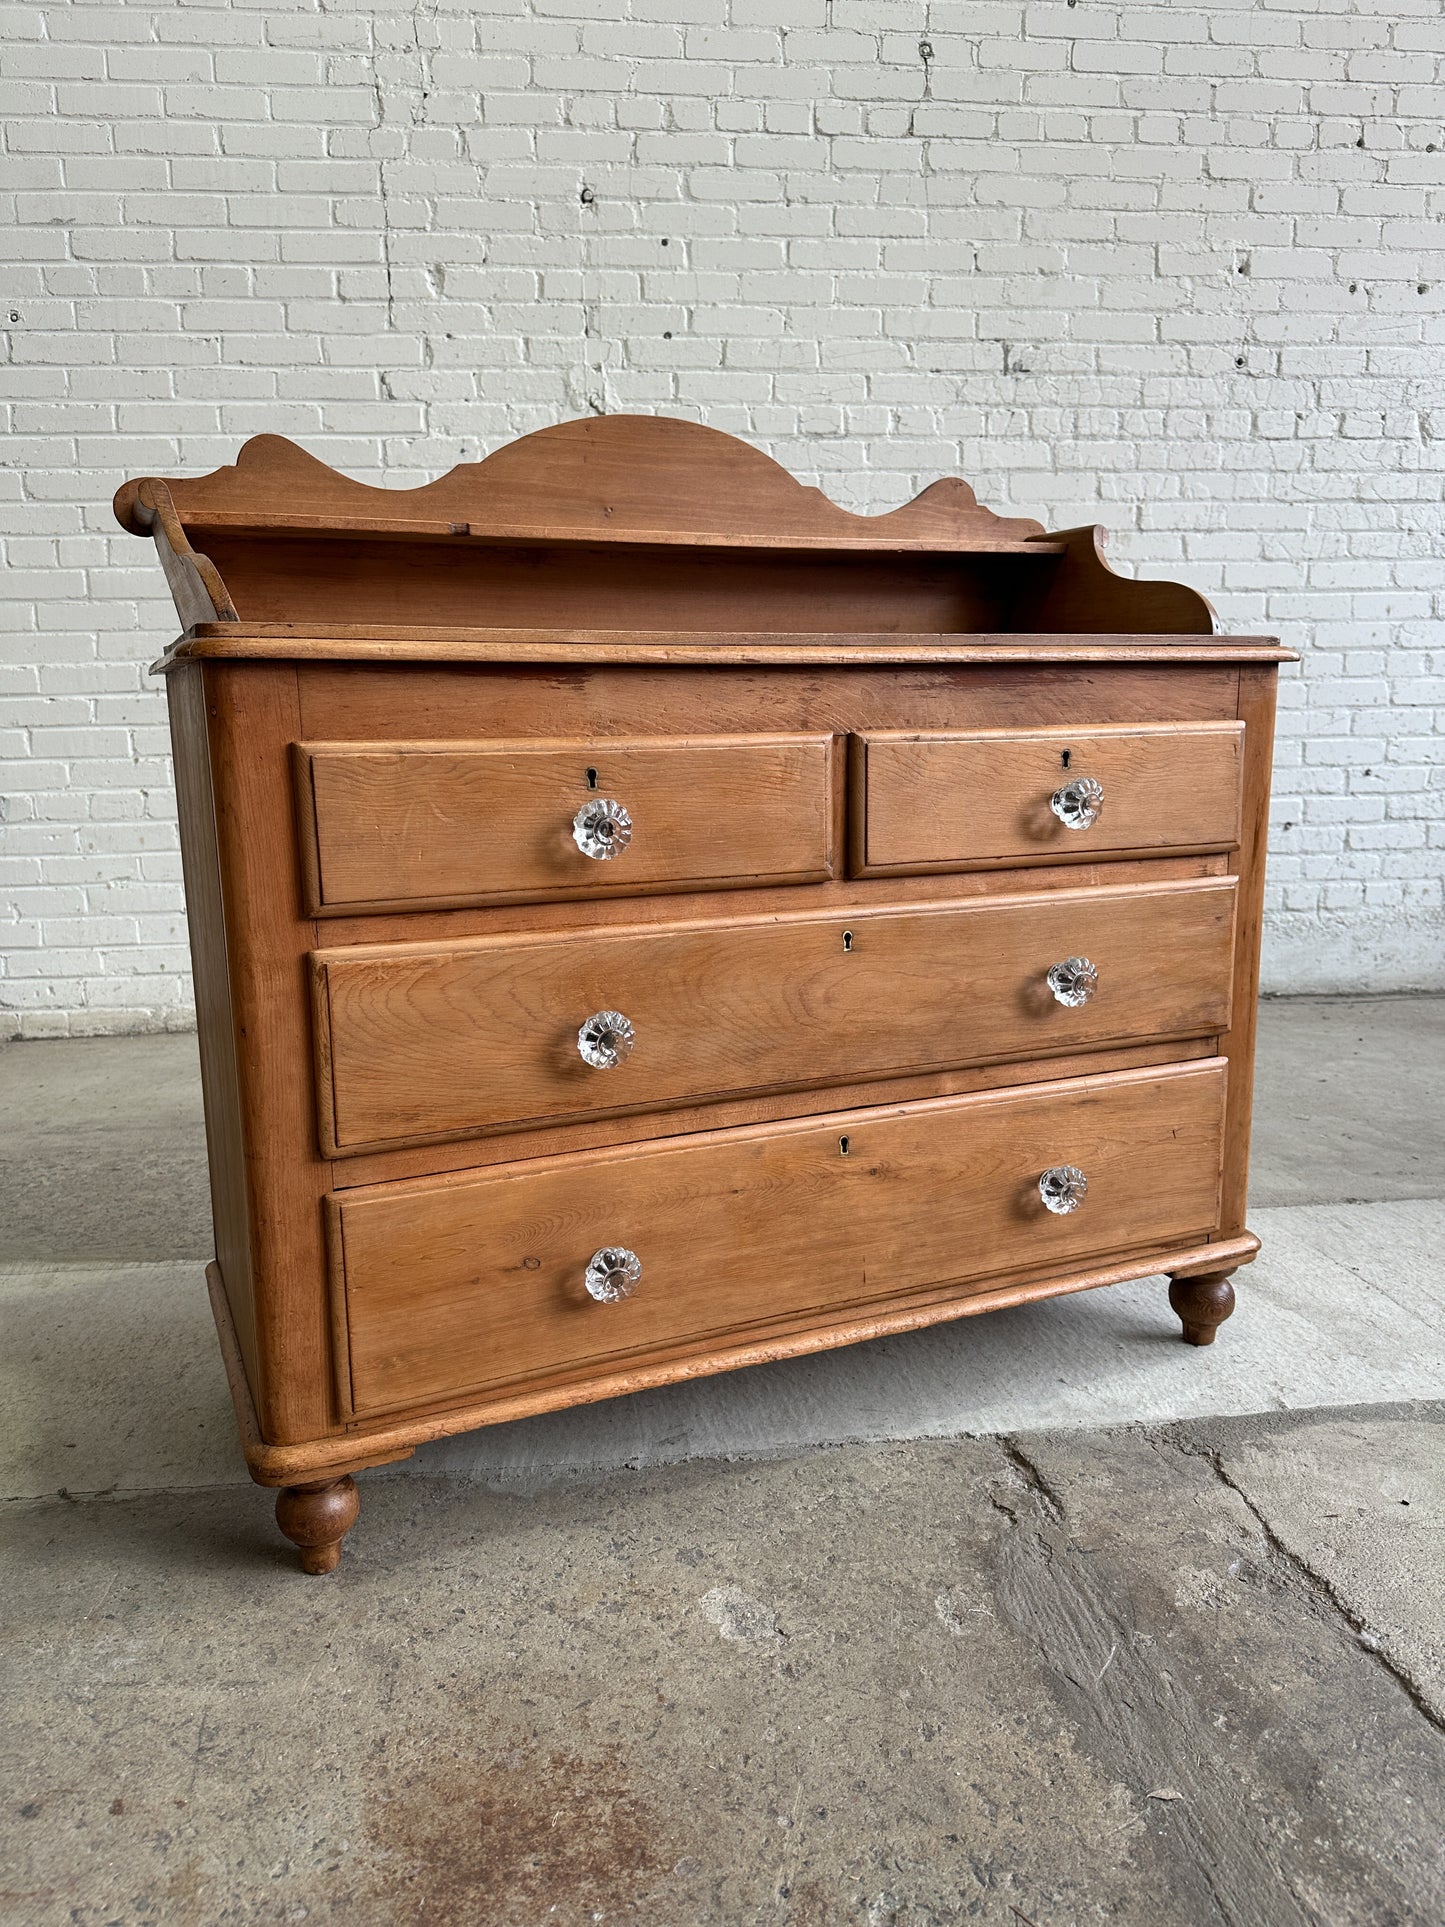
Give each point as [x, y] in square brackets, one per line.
[1203, 1304]
[317, 1518]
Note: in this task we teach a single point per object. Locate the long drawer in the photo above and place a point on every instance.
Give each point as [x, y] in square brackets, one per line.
[449, 1286]
[424, 1041]
[407, 824]
[957, 800]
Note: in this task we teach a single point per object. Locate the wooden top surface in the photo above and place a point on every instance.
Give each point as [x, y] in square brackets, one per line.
[350, 643]
[639, 479]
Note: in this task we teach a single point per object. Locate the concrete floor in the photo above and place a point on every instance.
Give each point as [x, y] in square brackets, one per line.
[1042, 1617]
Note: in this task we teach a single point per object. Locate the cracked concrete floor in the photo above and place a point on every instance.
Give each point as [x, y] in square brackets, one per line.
[1069, 1671]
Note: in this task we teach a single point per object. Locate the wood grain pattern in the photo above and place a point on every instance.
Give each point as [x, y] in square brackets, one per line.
[284, 1464]
[453, 702]
[557, 1138]
[194, 580]
[602, 478]
[1256, 713]
[452, 1286]
[1083, 594]
[408, 823]
[253, 716]
[566, 911]
[328, 579]
[382, 527]
[424, 1041]
[944, 800]
[211, 972]
[382, 643]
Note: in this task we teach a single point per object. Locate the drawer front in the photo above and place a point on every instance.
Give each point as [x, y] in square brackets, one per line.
[457, 1286]
[426, 1041]
[945, 801]
[402, 825]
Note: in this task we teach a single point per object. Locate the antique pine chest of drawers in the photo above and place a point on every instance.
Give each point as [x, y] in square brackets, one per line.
[648, 920]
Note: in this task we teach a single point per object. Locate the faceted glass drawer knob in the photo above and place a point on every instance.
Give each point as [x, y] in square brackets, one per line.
[1062, 1188]
[1073, 981]
[1078, 804]
[602, 829]
[605, 1039]
[612, 1274]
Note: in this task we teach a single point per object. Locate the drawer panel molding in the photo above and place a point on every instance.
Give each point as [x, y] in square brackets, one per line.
[407, 826]
[952, 800]
[451, 1287]
[418, 1042]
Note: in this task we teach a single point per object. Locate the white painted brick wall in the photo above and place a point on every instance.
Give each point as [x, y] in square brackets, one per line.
[1175, 268]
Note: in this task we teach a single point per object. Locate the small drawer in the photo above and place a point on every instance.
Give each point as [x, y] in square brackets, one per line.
[479, 1282]
[404, 826]
[422, 1041]
[956, 801]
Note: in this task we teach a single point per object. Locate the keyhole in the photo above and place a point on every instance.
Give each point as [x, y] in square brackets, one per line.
[843, 1147]
[847, 939]
[591, 779]
[1064, 759]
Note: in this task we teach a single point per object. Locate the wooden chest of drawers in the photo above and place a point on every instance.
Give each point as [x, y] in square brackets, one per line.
[647, 920]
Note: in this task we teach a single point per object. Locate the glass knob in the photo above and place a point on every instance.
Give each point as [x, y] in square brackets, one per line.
[1078, 804]
[602, 829]
[605, 1039]
[1062, 1188]
[612, 1274]
[1073, 982]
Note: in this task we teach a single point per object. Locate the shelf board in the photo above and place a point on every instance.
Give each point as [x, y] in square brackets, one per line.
[200, 524]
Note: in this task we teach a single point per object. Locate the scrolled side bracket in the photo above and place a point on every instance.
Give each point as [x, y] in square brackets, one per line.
[200, 595]
[1082, 595]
